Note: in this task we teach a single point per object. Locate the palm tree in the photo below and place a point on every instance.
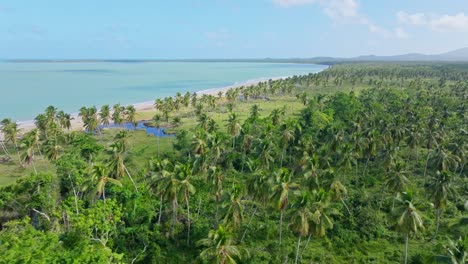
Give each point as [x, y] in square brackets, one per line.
[371, 148]
[64, 120]
[117, 114]
[338, 192]
[303, 97]
[265, 152]
[457, 252]
[396, 180]
[216, 179]
[276, 115]
[233, 208]
[219, 247]
[40, 121]
[158, 104]
[100, 172]
[90, 118]
[52, 148]
[301, 218]
[409, 220]
[157, 125]
[105, 115]
[83, 114]
[28, 155]
[321, 215]
[440, 187]
[116, 161]
[444, 159]
[254, 113]
[234, 127]
[280, 192]
[168, 187]
[130, 112]
[51, 113]
[200, 144]
[258, 187]
[10, 132]
[184, 172]
[287, 135]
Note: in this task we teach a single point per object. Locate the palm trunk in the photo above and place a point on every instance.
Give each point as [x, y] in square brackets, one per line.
[199, 206]
[365, 167]
[346, 206]
[160, 209]
[357, 166]
[281, 228]
[248, 224]
[4, 148]
[130, 176]
[243, 161]
[462, 168]
[17, 152]
[297, 249]
[425, 167]
[75, 194]
[282, 157]
[157, 141]
[381, 196]
[216, 214]
[188, 221]
[307, 243]
[406, 249]
[34, 166]
[174, 216]
[437, 223]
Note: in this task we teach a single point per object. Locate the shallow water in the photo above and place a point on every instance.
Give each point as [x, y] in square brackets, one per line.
[26, 89]
[158, 132]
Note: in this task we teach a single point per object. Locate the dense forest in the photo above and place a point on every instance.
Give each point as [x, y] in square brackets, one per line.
[360, 163]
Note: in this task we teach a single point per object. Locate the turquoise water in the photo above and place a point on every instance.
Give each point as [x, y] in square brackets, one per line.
[26, 89]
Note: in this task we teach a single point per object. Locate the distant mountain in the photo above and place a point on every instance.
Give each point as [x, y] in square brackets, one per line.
[459, 55]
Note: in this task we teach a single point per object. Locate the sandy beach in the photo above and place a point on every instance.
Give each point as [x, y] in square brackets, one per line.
[147, 106]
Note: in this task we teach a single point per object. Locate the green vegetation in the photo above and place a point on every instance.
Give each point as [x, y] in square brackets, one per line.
[361, 163]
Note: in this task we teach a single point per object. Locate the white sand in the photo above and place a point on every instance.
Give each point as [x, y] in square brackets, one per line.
[77, 123]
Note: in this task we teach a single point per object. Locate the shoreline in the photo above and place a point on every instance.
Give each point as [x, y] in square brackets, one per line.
[146, 106]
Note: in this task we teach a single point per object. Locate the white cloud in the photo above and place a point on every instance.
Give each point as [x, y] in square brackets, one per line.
[333, 8]
[344, 11]
[444, 23]
[401, 33]
[341, 8]
[287, 3]
[413, 19]
[458, 22]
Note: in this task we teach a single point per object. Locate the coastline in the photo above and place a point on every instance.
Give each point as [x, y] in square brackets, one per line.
[147, 106]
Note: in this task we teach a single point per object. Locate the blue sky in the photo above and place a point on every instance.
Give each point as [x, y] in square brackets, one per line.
[144, 29]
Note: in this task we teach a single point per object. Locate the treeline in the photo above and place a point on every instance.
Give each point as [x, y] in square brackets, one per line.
[374, 175]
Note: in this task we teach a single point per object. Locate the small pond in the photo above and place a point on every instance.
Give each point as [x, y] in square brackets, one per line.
[142, 125]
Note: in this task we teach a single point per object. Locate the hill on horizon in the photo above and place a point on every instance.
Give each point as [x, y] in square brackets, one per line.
[458, 55]
[455, 55]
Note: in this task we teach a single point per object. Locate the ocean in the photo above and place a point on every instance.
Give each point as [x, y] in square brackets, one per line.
[27, 88]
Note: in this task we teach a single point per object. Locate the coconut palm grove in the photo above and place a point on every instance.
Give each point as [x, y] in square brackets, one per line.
[359, 163]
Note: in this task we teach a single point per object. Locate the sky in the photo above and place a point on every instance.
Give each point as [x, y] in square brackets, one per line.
[191, 29]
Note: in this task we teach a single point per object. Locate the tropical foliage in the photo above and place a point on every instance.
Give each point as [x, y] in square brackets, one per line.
[361, 163]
